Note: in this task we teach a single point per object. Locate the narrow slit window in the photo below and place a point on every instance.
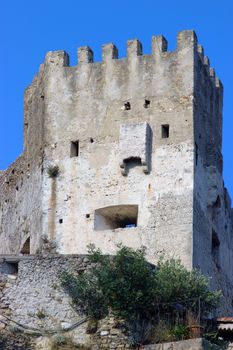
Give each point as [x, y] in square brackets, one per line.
[165, 131]
[196, 153]
[74, 149]
[215, 249]
[146, 104]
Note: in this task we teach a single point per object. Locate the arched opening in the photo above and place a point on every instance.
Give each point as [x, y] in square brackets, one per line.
[26, 247]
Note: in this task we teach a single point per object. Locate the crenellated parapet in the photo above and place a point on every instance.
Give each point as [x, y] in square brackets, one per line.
[186, 43]
[185, 39]
[206, 63]
[158, 84]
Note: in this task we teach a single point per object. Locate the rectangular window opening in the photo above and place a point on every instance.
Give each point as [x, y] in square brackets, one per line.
[165, 131]
[9, 268]
[116, 216]
[74, 149]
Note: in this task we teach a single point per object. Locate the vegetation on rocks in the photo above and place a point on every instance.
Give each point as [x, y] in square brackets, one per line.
[14, 341]
[132, 289]
[53, 171]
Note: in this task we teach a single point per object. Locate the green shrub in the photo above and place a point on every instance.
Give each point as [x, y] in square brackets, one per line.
[40, 313]
[53, 170]
[124, 283]
[175, 283]
[85, 294]
[133, 289]
[161, 333]
[179, 332]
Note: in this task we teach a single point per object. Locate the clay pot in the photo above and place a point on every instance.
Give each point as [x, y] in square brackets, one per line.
[196, 331]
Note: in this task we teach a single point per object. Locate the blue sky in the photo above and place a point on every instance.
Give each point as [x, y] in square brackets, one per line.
[31, 28]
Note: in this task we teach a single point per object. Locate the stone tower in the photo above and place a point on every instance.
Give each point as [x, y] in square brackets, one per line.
[138, 145]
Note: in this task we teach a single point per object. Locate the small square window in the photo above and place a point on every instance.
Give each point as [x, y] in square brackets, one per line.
[146, 104]
[127, 106]
[165, 131]
[74, 149]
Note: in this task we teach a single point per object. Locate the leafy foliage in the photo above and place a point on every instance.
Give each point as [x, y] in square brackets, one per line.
[175, 283]
[133, 290]
[123, 283]
[53, 171]
[86, 294]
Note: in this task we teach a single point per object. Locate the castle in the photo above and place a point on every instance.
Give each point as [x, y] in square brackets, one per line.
[123, 151]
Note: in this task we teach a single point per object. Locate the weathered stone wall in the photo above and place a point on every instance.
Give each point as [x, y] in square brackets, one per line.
[20, 206]
[191, 344]
[213, 228]
[89, 103]
[167, 163]
[4, 310]
[21, 211]
[34, 302]
[21, 184]
[7, 279]
[93, 109]
[34, 298]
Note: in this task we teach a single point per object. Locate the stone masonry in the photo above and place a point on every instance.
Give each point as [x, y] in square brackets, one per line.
[137, 142]
[34, 299]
